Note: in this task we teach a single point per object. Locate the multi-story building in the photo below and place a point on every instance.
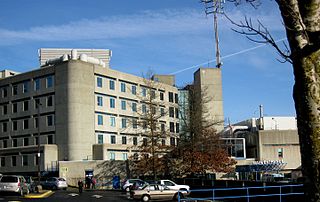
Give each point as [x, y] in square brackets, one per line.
[76, 108]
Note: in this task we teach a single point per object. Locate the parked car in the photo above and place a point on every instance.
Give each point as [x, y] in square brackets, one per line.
[31, 184]
[156, 192]
[128, 184]
[14, 183]
[174, 186]
[54, 183]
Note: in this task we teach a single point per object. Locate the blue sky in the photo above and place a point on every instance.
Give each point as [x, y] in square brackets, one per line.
[165, 36]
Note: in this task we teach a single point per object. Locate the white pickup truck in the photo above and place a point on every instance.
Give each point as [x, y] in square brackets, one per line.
[172, 185]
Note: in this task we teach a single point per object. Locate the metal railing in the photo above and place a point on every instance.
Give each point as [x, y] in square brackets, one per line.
[244, 193]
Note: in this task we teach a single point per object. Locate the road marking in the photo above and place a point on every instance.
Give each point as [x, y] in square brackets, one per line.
[96, 196]
[73, 194]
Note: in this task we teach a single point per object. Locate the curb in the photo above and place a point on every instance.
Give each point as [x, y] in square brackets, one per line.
[43, 195]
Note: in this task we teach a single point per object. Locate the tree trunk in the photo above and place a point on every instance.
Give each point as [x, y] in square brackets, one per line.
[306, 94]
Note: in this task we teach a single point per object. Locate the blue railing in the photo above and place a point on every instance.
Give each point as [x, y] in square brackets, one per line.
[278, 192]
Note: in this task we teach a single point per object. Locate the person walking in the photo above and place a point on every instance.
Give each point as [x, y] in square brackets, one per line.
[93, 182]
[80, 186]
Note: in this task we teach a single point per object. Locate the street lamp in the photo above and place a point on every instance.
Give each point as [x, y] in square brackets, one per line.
[38, 155]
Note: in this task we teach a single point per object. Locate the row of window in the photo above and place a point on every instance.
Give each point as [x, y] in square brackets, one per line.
[26, 105]
[26, 123]
[25, 87]
[133, 122]
[26, 141]
[26, 160]
[133, 89]
[113, 140]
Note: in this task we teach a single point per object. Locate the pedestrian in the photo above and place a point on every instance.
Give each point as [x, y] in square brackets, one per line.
[93, 181]
[88, 182]
[80, 186]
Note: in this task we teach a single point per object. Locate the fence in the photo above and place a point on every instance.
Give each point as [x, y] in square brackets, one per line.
[261, 193]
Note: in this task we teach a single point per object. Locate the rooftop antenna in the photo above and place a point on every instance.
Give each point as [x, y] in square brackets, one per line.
[215, 7]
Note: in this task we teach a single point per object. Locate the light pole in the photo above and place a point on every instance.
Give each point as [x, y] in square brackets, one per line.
[38, 123]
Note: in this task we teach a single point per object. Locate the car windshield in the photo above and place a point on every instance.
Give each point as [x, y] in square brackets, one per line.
[146, 185]
[9, 179]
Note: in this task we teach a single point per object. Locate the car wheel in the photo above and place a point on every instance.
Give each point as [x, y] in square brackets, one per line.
[145, 198]
[127, 189]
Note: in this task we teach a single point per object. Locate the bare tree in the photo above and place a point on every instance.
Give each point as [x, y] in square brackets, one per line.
[301, 21]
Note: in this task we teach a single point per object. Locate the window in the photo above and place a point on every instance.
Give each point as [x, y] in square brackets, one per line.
[134, 123]
[112, 156]
[153, 110]
[99, 82]
[144, 125]
[123, 87]
[25, 88]
[134, 107]
[36, 84]
[172, 141]
[49, 101]
[3, 161]
[100, 119]
[176, 99]
[177, 113]
[170, 97]
[111, 84]
[171, 127]
[50, 120]
[49, 80]
[177, 128]
[26, 105]
[14, 142]
[14, 107]
[100, 139]
[112, 103]
[113, 139]
[36, 160]
[280, 152]
[135, 141]
[25, 124]
[50, 139]
[163, 127]
[37, 103]
[162, 112]
[36, 140]
[144, 141]
[134, 90]
[5, 109]
[13, 160]
[124, 140]
[123, 123]
[99, 101]
[14, 125]
[161, 96]
[144, 92]
[144, 108]
[4, 127]
[112, 121]
[36, 122]
[4, 92]
[171, 112]
[123, 105]
[124, 156]
[163, 142]
[25, 141]
[153, 94]
[24, 160]
[5, 143]
[14, 90]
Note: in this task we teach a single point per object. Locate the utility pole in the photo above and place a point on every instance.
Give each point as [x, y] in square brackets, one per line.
[215, 7]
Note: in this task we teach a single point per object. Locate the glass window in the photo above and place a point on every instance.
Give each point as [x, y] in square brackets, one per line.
[14, 125]
[123, 123]
[36, 84]
[99, 82]
[123, 105]
[100, 119]
[124, 156]
[14, 107]
[123, 87]
[176, 98]
[25, 124]
[14, 142]
[49, 80]
[100, 139]
[134, 90]
[143, 92]
[112, 121]
[144, 108]
[112, 156]
[25, 141]
[26, 105]
[161, 96]
[5, 143]
[36, 103]
[163, 127]
[50, 120]
[177, 112]
[172, 141]
[4, 127]
[162, 112]
[50, 139]
[25, 88]
[177, 128]
[171, 127]
[135, 141]
[113, 139]
[4, 92]
[99, 101]
[153, 94]
[163, 142]
[36, 122]
[171, 112]
[144, 142]
[13, 160]
[112, 103]
[111, 84]
[170, 97]
[49, 101]
[134, 123]
[124, 140]
[280, 152]
[14, 89]
[4, 109]
[134, 106]
[3, 161]
[24, 160]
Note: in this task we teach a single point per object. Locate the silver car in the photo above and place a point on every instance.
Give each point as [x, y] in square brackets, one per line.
[55, 183]
[13, 183]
